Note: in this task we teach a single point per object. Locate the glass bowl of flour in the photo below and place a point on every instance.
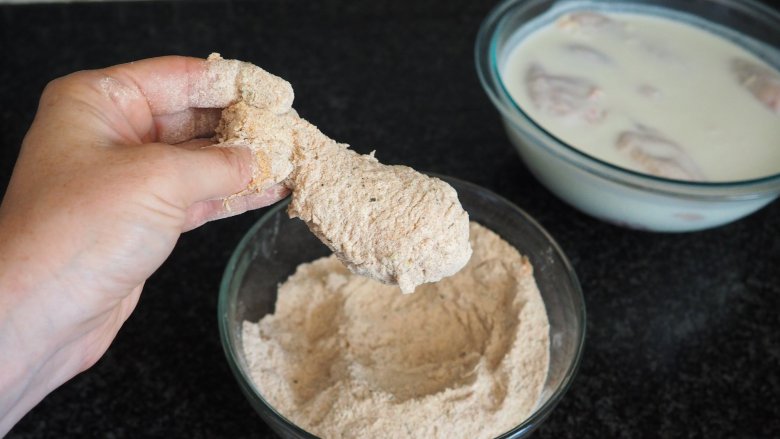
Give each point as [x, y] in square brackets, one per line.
[321, 352]
[659, 115]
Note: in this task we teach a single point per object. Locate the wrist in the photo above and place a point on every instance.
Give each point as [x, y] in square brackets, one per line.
[19, 359]
[35, 357]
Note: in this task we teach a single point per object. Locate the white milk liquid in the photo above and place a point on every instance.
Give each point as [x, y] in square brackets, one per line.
[651, 94]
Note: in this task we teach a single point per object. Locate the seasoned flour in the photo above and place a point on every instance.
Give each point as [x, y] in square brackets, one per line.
[347, 356]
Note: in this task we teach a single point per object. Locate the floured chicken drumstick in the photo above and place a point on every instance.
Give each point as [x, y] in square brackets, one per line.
[658, 155]
[387, 222]
[762, 82]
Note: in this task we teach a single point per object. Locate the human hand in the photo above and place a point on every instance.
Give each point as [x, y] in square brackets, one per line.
[97, 201]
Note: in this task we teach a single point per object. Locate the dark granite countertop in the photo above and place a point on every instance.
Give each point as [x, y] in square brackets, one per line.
[683, 329]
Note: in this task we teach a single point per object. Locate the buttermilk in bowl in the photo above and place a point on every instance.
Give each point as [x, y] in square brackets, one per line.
[660, 94]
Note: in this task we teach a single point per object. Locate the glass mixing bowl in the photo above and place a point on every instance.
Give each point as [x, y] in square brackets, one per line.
[272, 249]
[599, 188]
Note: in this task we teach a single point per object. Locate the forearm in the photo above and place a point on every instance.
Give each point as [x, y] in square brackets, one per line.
[35, 355]
[53, 323]
[20, 379]
[27, 378]
[21, 362]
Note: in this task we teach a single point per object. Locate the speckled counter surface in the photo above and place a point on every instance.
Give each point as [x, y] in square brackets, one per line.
[683, 330]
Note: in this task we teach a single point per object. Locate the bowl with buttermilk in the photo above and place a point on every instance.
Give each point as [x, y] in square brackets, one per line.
[655, 115]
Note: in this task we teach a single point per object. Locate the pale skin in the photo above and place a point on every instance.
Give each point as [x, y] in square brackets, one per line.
[95, 205]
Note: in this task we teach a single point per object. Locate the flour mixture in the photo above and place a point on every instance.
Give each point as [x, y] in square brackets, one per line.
[346, 356]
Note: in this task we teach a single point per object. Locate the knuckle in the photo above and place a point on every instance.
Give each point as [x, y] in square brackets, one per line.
[71, 85]
[53, 91]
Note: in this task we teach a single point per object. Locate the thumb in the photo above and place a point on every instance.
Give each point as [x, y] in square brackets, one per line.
[215, 172]
[205, 211]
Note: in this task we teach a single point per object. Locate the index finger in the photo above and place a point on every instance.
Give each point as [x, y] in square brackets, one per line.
[149, 90]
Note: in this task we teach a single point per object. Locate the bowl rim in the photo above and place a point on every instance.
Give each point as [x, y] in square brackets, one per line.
[245, 382]
[486, 61]
[530, 423]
